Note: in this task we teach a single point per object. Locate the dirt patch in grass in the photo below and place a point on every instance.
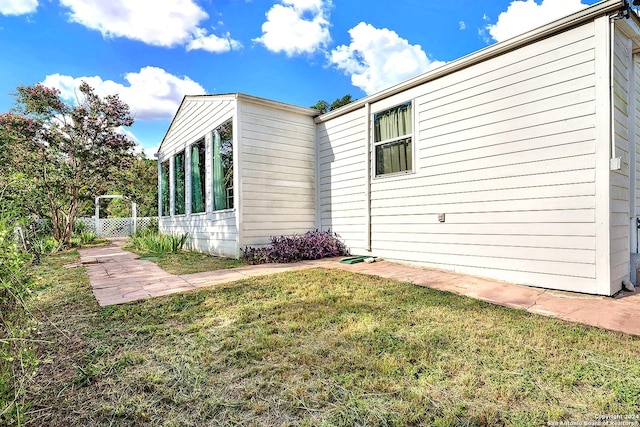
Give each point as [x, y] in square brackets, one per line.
[317, 347]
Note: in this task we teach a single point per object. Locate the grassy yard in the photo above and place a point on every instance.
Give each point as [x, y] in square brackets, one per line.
[187, 262]
[316, 348]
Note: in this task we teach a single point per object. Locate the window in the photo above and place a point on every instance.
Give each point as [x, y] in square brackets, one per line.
[164, 188]
[392, 140]
[179, 183]
[223, 166]
[198, 179]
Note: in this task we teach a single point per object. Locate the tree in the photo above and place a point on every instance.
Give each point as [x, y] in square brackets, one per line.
[324, 107]
[57, 157]
[141, 186]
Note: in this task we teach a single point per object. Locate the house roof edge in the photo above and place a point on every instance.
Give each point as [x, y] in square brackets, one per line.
[239, 96]
[592, 12]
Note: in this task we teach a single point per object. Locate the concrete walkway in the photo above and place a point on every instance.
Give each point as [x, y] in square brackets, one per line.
[118, 276]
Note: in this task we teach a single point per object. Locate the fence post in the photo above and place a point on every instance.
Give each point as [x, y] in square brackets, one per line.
[97, 217]
[134, 214]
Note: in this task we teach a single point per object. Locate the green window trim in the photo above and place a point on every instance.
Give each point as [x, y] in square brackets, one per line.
[222, 166]
[198, 177]
[179, 183]
[164, 189]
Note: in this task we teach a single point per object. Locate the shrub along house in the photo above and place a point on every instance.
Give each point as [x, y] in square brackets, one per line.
[518, 162]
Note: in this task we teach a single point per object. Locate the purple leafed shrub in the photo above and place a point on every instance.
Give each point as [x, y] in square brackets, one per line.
[311, 245]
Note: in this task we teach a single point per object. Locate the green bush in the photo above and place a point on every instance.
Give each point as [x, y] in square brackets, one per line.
[13, 264]
[42, 245]
[148, 240]
[16, 355]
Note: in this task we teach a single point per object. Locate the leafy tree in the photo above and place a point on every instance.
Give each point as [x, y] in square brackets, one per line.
[140, 184]
[57, 157]
[324, 107]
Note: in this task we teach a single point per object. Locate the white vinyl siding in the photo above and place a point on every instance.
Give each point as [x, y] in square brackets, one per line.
[636, 135]
[213, 232]
[506, 151]
[277, 172]
[620, 190]
[636, 129]
[342, 157]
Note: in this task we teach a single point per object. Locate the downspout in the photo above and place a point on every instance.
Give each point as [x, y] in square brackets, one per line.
[615, 163]
[238, 179]
[367, 112]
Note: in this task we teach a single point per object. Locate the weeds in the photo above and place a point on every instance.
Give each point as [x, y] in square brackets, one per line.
[17, 359]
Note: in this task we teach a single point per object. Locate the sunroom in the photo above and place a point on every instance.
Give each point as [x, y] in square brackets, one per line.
[235, 170]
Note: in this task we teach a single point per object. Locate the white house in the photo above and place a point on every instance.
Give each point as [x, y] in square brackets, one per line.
[518, 162]
[235, 170]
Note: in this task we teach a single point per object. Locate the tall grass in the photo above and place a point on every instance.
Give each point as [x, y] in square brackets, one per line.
[149, 240]
[17, 358]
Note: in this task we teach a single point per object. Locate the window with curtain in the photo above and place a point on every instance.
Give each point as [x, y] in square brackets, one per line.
[393, 134]
[198, 179]
[164, 188]
[179, 183]
[222, 168]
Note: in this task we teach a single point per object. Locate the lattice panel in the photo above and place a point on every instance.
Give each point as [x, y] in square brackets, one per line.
[89, 223]
[115, 227]
[146, 222]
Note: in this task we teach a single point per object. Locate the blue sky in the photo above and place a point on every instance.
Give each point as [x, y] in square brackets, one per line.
[153, 52]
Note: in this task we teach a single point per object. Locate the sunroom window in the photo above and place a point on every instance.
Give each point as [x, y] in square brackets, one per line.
[393, 135]
[198, 180]
[179, 183]
[223, 166]
[164, 188]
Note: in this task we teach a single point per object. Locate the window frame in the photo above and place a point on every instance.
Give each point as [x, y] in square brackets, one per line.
[202, 151]
[183, 154]
[396, 139]
[228, 191]
[165, 183]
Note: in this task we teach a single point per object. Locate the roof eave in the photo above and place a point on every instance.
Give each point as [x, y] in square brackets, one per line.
[563, 24]
[241, 96]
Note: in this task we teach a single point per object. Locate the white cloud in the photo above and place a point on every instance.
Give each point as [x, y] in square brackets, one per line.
[462, 25]
[18, 7]
[150, 152]
[164, 23]
[379, 58]
[152, 93]
[296, 27]
[213, 43]
[525, 15]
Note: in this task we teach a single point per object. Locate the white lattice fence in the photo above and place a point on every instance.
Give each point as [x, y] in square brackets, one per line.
[116, 227]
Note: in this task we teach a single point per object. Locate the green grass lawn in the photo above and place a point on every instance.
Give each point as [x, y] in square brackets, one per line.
[316, 348]
[188, 262]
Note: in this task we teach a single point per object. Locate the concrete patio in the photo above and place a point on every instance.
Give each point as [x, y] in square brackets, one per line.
[118, 276]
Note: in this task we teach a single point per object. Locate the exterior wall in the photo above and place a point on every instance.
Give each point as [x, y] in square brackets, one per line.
[506, 150]
[342, 159]
[620, 178]
[635, 205]
[215, 232]
[277, 172]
